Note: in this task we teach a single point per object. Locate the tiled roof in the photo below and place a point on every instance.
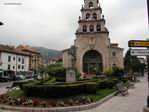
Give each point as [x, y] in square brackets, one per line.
[27, 49]
[11, 49]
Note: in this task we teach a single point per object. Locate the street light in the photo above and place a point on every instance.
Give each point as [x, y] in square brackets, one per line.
[148, 57]
[1, 23]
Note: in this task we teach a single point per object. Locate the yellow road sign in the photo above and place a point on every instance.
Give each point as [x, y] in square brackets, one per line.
[138, 43]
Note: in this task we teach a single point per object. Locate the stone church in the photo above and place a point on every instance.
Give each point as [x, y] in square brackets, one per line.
[92, 50]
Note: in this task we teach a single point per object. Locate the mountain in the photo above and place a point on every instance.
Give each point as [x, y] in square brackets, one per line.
[48, 53]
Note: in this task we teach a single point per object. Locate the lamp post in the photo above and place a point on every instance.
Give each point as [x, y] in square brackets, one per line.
[1, 23]
[148, 56]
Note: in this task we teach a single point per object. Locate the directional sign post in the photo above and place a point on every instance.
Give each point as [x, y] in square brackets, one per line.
[139, 52]
[138, 43]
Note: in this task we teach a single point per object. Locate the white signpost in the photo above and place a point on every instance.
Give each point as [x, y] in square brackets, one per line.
[139, 52]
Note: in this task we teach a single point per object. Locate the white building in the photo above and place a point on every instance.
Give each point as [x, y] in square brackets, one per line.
[13, 60]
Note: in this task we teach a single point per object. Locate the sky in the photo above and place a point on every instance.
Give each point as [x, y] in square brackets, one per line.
[53, 23]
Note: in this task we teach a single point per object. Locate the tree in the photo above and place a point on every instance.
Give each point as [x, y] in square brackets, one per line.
[132, 63]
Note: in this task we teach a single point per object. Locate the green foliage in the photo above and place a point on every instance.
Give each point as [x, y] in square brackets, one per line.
[110, 84]
[60, 79]
[56, 70]
[115, 71]
[91, 87]
[102, 84]
[132, 63]
[59, 91]
[16, 93]
[109, 72]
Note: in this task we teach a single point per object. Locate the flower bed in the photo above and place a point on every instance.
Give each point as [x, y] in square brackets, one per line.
[18, 98]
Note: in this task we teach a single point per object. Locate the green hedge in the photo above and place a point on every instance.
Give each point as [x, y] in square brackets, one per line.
[60, 79]
[59, 91]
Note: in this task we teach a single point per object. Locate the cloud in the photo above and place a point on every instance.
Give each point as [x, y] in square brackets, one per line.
[52, 23]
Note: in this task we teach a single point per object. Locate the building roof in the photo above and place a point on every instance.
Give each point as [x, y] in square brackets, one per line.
[27, 48]
[12, 49]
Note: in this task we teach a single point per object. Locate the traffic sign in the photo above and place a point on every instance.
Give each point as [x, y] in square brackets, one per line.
[139, 52]
[138, 43]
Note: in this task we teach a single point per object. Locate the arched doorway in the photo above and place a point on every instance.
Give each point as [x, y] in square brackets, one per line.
[92, 62]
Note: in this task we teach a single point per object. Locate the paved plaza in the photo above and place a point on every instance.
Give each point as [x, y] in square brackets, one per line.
[133, 102]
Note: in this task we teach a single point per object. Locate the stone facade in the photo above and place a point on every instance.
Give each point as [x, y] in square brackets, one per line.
[92, 50]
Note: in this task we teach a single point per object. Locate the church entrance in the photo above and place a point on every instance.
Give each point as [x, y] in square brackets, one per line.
[92, 62]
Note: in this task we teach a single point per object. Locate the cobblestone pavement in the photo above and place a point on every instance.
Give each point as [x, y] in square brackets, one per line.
[133, 102]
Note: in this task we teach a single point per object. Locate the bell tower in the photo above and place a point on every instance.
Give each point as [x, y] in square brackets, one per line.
[91, 19]
[92, 51]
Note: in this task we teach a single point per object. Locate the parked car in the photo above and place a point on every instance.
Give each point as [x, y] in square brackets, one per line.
[20, 77]
[4, 78]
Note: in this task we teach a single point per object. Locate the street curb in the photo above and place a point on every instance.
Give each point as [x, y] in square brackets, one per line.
[59, 109]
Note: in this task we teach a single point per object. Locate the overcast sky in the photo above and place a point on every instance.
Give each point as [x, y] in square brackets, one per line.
[53, 23]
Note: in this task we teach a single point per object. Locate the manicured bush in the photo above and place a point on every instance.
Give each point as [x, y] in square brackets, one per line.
[115, 80]
[60, 79]
[91, 87]
[115, 71]
[19, 84]
[59, 91]
[110, 84]
[102, 84]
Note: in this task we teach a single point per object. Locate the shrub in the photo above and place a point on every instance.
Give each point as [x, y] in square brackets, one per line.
[102, 84]
[59, 91]
[91, 88]
[60, 79]
[115, 71]
[109, 72]
[110, 84]
[56, 71]
[15, 84]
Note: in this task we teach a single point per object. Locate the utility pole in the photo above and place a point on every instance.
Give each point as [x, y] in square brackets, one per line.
[148, 56]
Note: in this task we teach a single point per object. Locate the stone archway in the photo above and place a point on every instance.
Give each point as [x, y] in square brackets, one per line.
[92, 62]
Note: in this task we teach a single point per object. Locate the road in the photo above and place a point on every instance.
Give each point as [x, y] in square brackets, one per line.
[5, 84]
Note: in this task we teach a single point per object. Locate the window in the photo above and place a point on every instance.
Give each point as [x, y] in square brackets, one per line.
[9, 58]
[92, 41]
[94, 16]
[19, 66]
[13, 67]
[22, 60]
[87, 16]
[91, 28]
[19, 59]
[84, 28]
[14, 58]
[9, 67]
[91, 5]
[114, 54]
[98, 28]
[22, 67]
